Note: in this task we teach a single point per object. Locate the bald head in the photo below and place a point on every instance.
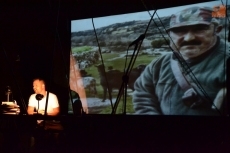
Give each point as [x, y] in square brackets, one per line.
[39, 86]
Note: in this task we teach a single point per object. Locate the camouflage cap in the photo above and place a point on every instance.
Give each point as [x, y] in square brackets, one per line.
[192, 16]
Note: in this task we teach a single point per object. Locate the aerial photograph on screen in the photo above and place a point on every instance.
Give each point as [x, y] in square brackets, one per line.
[104, 54]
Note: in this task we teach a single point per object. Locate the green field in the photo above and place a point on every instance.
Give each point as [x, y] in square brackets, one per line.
[81, 49]
[117, 64]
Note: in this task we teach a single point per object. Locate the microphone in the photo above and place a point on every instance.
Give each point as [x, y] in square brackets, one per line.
[39, 96]
[141, 37]
[8, 92]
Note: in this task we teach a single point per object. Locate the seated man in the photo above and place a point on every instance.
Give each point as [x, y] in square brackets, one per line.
[37, 105]
[37, 101]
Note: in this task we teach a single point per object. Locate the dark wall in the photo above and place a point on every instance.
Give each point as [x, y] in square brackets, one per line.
[34, 43]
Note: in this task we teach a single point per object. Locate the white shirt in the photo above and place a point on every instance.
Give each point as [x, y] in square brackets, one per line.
[40, 105]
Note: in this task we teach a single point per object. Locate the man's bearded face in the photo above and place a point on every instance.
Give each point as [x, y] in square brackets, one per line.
[192, 41]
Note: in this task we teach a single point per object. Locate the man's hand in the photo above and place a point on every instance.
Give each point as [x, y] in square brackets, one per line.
[219, 100]
[42, 112]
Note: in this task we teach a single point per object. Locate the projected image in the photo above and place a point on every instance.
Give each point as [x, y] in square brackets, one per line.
[178, 68]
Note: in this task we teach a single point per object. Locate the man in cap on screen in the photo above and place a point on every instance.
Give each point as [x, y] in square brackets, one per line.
[164, 89]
